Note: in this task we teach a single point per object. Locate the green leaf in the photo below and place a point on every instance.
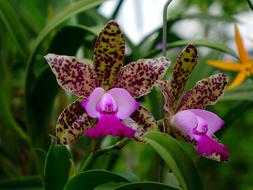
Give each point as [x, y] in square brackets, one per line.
[14, 27]
[129, 176]
[57, 167]
[93, 178]
[177, 160]
[145, 186]
[109, 186]
[40, 158]
[213, 45]
[22, 183]
[65, 14]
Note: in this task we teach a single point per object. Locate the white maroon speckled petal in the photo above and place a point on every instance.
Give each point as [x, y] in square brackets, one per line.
[72, 74]
[139, 77]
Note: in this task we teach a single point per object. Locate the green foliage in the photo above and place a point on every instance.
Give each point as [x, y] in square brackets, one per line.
[57, 167]
[177, 159]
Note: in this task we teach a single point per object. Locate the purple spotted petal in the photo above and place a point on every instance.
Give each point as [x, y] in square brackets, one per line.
[142, 121]
[164, 87]
[214, 122]
[138, 78]
[72, 123]
[109, 124]
[125, 102]
[90, 103]
[186, 62]
[205, 92]
[185, 121]
[72, 74]
[210, 148]
[109, 54]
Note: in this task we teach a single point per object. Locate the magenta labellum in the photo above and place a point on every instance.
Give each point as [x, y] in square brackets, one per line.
[110, 108]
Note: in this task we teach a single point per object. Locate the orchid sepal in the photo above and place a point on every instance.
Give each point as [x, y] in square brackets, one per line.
[73, 75]
[139, 77]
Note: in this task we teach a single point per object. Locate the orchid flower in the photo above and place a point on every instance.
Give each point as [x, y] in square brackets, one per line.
[186, 113]
[244, 68]
[106, 90]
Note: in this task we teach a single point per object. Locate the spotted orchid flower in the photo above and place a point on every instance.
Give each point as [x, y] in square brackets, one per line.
[106, 90]
[186, 115]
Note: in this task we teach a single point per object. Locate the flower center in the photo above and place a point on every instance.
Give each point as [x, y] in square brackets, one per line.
[201, 128]
[107, 104]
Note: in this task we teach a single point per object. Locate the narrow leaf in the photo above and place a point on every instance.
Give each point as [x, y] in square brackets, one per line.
[90, 179]
[57, 167]
[177, 160]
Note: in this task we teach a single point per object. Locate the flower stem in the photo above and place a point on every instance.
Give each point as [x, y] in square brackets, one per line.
[95, 154]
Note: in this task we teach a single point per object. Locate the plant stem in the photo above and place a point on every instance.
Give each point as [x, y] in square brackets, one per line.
[96, 153]
[250, 4]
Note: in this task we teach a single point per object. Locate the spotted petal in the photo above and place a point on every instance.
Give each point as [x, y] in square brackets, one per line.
[206, 92]
[72, 74]
[138, 77]
[143, 121]
[163, 85]
[186, 62]
[109, 54]
[72, 123]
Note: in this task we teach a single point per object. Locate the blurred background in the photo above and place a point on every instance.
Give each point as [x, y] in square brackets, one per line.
[31, 100]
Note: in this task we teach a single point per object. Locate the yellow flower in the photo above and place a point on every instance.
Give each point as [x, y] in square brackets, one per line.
[244, 67]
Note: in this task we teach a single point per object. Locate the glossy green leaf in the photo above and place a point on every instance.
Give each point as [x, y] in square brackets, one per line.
[109, 186]
[129, 176]
[22, 183]
[90, 179]
[205, 43]
[40, 158]
[145, 186]
[177, 160]
[57, 167]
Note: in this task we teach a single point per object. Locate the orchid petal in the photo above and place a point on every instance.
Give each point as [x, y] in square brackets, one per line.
[240, 46]
[72, 74]
[139, 77]
[240, 77]
[164, 86]
[142, 121]
[186, 62]
[214, 122]
[226, 65]
[185, 121]
[205, 92]
[90, 103]
[212, 149]
[109, 124]
[125, 102]
[72, 123]
[109, 54]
